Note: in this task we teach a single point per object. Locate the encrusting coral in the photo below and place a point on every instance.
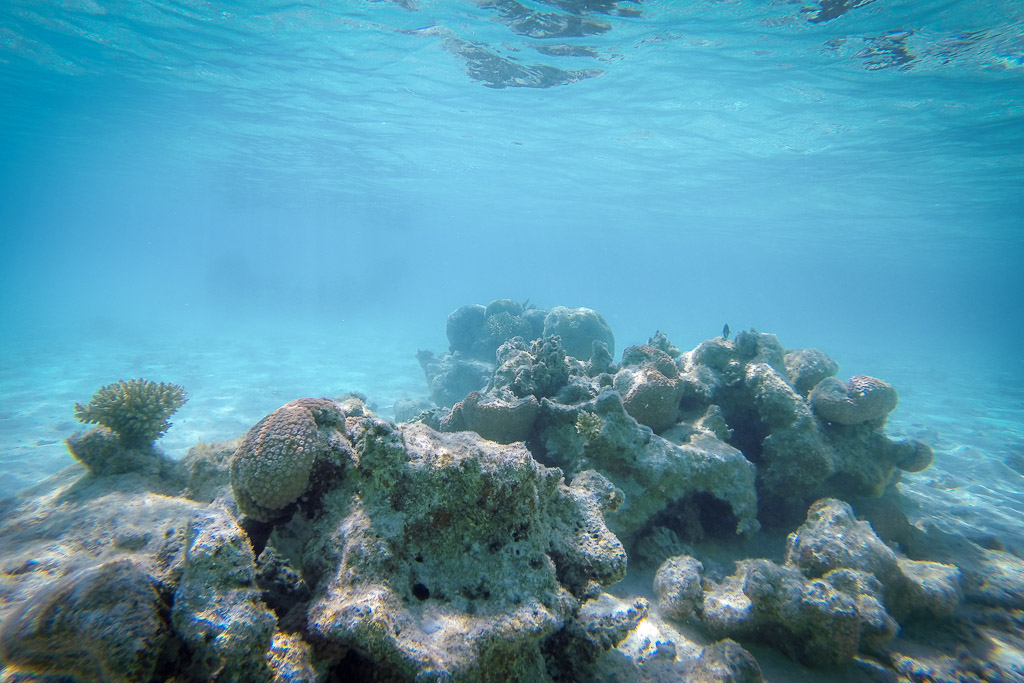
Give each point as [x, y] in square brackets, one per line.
[136, 410]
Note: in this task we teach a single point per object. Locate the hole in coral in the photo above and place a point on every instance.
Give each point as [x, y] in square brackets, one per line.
[420, 592]
[696, 517]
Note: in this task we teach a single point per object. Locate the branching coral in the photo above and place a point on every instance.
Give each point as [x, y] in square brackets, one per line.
[136, 410]
[589, 425]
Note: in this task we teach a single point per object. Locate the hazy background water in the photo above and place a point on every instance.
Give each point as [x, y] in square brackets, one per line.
[848, 174]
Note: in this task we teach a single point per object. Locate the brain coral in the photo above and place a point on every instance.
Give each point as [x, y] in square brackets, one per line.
[272, 466]
[136, 410]
[860, 400]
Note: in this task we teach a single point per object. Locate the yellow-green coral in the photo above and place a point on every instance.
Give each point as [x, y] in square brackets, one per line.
[136, 410]
[589, 425]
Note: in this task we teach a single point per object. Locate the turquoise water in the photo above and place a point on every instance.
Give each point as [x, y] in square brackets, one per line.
[266, 200]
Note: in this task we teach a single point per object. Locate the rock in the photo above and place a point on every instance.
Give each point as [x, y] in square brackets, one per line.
[291, 660]
[502, 419]
[449, 555]
[105, 453]
[806, 367]
[990, 577]
[648, 381]
[407, 409]
[206, 470]
[723, 662]
[714, 480]
[217, 608]
[808, 620]
[104, 623]
[579, 328]
[602, 623]
[862, 399]
[451, 377]
[76, 522]
[832, 538]
[678, 585]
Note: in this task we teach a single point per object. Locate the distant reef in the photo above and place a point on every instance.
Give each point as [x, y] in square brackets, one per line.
[547, 514]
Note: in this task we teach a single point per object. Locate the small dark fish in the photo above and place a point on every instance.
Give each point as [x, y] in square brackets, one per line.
[725, 331]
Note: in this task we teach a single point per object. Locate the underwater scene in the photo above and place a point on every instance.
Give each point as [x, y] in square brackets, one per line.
[512, 340]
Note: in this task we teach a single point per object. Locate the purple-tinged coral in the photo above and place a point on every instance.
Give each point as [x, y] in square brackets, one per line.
[272, 466]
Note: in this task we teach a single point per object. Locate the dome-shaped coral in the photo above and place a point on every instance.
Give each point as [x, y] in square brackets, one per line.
[861, 399]
[272, 466]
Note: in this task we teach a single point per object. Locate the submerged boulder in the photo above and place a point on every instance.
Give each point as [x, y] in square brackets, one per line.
[451, 555]
[104, 623]
[862, 399]
[579, 328]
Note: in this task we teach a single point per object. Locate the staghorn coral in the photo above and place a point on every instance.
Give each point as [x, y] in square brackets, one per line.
[136, 410]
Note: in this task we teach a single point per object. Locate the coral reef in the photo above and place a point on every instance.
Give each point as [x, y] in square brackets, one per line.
[451, 376]
[648, 381]
[833, 538]
[475, 331]
[840, 591]
[503, 419]
[218, 612]
[478, 541]
[136, 410]
[104, 453]
[539, 369]
[810, 620]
